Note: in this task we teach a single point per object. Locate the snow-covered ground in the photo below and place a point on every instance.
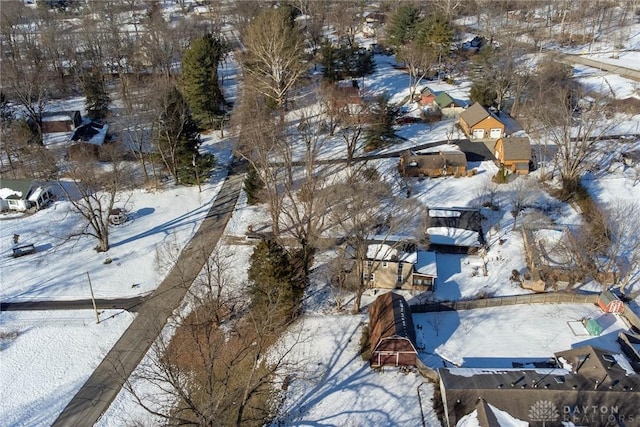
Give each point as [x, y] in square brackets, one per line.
[46, 356]
[498, 336]
[160, 220]
[336, 387]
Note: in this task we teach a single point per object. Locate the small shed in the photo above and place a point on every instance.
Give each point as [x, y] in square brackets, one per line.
[392, 336]
[610, 303]
[592, 326]
[449, 106]
[427, 97]
[60, 121]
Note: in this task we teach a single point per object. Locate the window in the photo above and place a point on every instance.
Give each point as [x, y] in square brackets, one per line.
[385, 264]
[423, 281]
[369, 263]
[368, 277]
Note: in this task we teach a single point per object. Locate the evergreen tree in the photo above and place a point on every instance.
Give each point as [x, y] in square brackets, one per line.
[402, 25]
[271, 274]
[178, 140]
[252, 185]
[438, 34]
[200, 78]
[95, 91]
[482, 92]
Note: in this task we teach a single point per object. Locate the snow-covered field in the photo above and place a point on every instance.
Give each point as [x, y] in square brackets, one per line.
[495, 337]
[336, 387]
[46, 356]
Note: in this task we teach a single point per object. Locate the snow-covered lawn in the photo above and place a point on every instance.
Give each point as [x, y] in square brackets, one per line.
[336, 387]
[495, 337]
[166, 219]
[46, 356]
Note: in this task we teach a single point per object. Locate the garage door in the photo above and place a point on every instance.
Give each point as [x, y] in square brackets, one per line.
[478, 133]
[496, 133]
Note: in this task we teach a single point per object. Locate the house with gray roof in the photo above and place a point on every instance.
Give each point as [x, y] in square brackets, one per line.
[589, 386]
[514, 153]
[24, 194]
[478, 123]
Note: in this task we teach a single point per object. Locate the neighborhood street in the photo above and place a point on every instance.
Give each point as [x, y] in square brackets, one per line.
[621, 71]
[128, 304]
[105, 383]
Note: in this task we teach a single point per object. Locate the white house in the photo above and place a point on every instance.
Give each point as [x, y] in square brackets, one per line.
[23, 194]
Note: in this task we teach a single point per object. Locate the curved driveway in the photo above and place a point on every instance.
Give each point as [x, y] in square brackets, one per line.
[105, 383]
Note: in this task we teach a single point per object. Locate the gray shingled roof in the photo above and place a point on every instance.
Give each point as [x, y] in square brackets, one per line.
[438, 160]
[22, 186]
[517, 148]
[474, 114]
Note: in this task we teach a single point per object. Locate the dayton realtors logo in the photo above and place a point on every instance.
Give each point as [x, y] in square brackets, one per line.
[595, 415]
[544, 411]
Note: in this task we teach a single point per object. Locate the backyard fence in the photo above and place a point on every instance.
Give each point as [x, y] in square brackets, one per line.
[544, 298]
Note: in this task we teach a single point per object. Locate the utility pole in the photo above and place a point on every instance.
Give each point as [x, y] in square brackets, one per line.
[93, 300]
[195, 168]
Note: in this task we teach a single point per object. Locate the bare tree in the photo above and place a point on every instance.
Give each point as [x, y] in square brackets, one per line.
[24, 70]
[418, 58]
[95, 190]
[611, 242]
[353, 123]
[520, 196]
[134, 122]
[347, 19]
[215, 370]
[273, 57]
[575, 131]
[260, 143]
[366, 212]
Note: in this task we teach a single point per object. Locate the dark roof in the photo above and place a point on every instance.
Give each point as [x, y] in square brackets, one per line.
[596, 364]
[59, 115]
[585, 365]
[87, 133]
[486, 417]
[22, 186]
[596, 383]
[517, 148]
[436, 160]
[474, 114]
[426, 91]
[390, 316]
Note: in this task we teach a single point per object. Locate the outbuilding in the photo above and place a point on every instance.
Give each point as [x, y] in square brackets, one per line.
[392, 335]
[610, 303]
